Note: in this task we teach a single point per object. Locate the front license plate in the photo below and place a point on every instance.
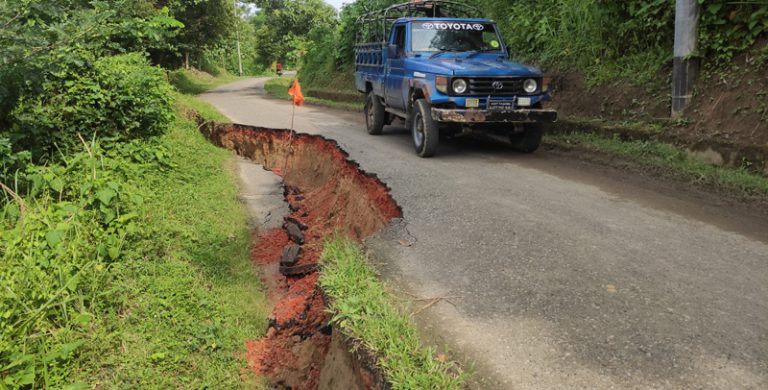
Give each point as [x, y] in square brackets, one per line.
[473, 103]
[501, 105]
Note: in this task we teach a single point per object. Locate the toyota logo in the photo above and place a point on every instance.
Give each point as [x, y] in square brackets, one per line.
[428, 26]
[498, 85]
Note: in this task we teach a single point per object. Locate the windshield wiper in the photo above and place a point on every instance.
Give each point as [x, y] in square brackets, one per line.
[442, 50]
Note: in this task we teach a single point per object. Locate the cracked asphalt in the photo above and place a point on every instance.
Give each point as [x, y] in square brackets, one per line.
[557, 273]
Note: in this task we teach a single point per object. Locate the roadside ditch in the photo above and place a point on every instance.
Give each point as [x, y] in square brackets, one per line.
[327, 194]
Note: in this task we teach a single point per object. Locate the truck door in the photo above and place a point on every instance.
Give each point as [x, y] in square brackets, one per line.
[395, 70]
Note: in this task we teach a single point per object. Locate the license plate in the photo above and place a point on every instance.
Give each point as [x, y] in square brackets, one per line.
[473, 103]
[501, 104]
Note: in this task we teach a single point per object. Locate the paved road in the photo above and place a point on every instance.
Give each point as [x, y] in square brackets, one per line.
[558, 274]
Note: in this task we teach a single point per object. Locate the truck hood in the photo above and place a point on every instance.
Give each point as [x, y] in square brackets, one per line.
[462, 66]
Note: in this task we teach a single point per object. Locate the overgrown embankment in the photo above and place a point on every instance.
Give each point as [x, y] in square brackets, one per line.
[125, 258]
[328, 195]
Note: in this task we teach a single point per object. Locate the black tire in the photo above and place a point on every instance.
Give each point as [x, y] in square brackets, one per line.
[374, 114]
[424, 130]
[529, 140]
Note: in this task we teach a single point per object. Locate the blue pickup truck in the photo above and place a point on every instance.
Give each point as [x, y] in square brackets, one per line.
[446, 74]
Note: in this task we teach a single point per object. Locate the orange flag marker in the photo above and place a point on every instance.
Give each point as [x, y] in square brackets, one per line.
[295, 92]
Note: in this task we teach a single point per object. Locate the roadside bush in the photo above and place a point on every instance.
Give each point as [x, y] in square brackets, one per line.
[10, 161]
[623, 40]
[119, 98]
[728, 28]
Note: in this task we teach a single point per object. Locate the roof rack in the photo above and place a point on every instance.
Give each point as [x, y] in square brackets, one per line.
[423, 8]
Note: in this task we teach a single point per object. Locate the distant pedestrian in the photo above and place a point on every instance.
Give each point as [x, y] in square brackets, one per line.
[279, 69]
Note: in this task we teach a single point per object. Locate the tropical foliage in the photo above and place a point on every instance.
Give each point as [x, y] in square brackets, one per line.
[605, 40]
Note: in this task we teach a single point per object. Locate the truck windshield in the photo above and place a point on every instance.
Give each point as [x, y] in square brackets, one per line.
[436, 36]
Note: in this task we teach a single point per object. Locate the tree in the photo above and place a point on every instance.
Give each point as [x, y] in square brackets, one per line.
[40, 39]
[208, 24]
[283, 27]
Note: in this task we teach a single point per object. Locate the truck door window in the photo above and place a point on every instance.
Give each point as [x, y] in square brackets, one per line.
[400, 40]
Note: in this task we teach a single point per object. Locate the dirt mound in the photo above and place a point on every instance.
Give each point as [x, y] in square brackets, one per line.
[728, 107]
[327, 194]
[618, 100]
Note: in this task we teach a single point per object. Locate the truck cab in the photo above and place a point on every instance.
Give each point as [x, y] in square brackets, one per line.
[446, 76]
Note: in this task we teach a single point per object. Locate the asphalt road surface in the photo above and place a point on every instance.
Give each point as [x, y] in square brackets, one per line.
[557, 273]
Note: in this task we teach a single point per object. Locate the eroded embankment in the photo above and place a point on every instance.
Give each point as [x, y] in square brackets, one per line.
[326, 193]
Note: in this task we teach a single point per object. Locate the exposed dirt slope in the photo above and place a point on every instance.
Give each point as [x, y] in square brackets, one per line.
[727, 107]
[327, 194]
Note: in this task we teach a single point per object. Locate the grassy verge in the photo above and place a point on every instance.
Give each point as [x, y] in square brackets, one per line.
[657, 154]
[278, 87]
[127, 266]
[189, 307]
[366, 310]
[192, 81]
[189, 104]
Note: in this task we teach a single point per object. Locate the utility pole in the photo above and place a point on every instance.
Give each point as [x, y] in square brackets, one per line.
[237, 31]
[685, 68]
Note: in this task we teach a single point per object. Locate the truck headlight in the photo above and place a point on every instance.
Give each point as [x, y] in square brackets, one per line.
[530, 85]
[459, 86]
[441, 83]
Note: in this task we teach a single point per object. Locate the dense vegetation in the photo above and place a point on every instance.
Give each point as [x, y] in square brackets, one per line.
[604, 40]
[123, 249]
[285, 28]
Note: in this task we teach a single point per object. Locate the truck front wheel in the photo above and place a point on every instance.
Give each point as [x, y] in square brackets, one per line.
[425, 132]
[529, 140]
[374, 114]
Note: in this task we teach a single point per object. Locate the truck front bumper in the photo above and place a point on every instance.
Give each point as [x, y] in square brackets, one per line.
[494, 116]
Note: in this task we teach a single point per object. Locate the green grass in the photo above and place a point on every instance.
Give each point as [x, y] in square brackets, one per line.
[192, 81]
[667, 156]
[127, 266]
[365, 310]
[278, 87]
[189, 103]
[187, 310]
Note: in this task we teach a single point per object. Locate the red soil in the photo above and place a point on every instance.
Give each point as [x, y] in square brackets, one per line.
[328, 194]
[269, 246]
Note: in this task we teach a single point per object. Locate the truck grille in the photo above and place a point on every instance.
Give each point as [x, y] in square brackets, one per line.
[511, 86]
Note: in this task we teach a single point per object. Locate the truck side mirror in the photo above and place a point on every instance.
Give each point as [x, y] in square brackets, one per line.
[392, 51]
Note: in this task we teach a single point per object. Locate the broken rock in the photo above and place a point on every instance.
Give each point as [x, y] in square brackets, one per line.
[290, 255]
[290, 219]
[294, 233]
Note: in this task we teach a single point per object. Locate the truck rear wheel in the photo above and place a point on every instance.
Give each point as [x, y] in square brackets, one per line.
[374, 114]
[529, 140]
[425, 132]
